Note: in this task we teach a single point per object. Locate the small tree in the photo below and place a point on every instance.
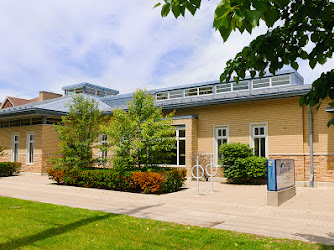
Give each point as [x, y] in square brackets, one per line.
[78, 132]
[142, 136]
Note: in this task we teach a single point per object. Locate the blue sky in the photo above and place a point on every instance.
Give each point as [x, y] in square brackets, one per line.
[122, 45]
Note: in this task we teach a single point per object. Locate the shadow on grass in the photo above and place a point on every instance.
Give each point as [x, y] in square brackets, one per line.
[24, 241]
[28, 240]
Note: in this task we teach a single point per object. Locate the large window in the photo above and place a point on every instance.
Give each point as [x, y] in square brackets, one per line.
[15, 147]
[221, 134]
[259, 140]
[179, 153]
[181, 145]
[30, 147]
[103, 154]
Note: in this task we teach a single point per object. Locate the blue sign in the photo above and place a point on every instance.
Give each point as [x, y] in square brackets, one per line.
[280, 174]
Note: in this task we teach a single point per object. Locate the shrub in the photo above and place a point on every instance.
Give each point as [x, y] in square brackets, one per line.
[233, 151]
[9, 168]
[247, 170]
[241, 166]
[148, 182]
[57, 174]
[160, 181]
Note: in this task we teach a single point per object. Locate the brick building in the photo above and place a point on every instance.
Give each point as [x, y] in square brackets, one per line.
[261, 112]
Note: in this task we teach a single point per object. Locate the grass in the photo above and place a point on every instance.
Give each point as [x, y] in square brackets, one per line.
[31, 225]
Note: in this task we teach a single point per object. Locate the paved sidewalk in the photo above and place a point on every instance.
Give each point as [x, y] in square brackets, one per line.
[309, 216]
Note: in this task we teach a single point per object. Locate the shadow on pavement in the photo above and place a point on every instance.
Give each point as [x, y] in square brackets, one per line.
[327, 241]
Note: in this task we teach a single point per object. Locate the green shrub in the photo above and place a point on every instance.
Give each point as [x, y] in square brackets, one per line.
[247, 170]
[164, 180]
[9, 168]
[233, 151]
[241, 166]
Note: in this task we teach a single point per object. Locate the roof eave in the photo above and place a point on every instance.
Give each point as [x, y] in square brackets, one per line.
[32, 111]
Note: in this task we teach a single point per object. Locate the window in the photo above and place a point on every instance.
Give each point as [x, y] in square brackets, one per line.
[179, 152]
[15, 147]
[280, 80]
[103, 154]
[175, 94]
[259, 139]
[181, 145]
[221, 134]
[225, 87]
[261, 83]
[242, 85]
[79, 91]
[162, 96]
[205, 90]
[90, 91]
[191, 92]
[30, 147]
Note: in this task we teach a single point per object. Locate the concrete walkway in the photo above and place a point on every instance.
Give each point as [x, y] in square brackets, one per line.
[309, 216]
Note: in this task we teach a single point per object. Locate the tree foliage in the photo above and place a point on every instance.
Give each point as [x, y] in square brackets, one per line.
[141, 136]
[2, 151]
[297, 30]
[78, 132]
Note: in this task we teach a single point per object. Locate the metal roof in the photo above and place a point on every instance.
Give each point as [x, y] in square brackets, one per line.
[298, 81]
[117, 101]
[56, 107]
[107, 104]
[233, 97]
[86, 84]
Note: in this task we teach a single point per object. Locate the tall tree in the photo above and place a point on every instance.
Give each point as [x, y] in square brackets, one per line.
[78, 132]
[141, 136]
[292, 26]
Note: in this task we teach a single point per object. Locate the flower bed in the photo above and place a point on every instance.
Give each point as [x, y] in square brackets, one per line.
[162, 181]
[9, 168]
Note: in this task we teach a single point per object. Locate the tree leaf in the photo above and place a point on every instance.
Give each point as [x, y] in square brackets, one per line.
[312, 63]
[225, 32]
[294, 65]
[158, 4]
[165, 10]
[176, 10]
[253, 16]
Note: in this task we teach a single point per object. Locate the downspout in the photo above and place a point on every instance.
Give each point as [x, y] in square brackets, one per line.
[310, 121]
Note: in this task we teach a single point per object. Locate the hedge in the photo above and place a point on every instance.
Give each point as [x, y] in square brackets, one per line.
[157, 182]
[9, 168]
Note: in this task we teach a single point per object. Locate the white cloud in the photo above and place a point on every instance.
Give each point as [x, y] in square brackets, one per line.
[48, 44]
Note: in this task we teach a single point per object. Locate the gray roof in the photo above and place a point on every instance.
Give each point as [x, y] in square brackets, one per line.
[237, 96]
[86, 84]
[117, 101]
[57, 106]
[54, 107]
[297, 79]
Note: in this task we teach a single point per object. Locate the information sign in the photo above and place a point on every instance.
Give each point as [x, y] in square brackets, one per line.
[280, 174]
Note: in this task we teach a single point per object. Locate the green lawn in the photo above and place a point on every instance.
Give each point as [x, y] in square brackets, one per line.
[29, 225]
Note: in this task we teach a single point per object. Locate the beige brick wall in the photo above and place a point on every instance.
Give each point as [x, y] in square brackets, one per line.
[288, 134]
[46, 144]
